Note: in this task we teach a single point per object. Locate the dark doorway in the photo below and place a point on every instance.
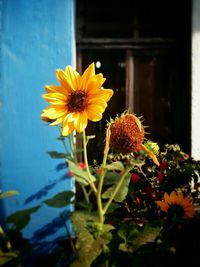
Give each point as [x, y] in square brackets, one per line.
[144, 51]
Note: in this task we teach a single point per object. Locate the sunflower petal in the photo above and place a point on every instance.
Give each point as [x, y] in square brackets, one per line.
[67, 129]
[94, 113]
[53, 112]
[72, 77]
[54, 89]
[95, 83]
[167, 198]
[81, 122]
[97, 102]
[45, 118]
[104, 94]
[58, 121]
[55, 98]
[163, 206]
[54, 95]
[173, 197]
[65, 82]
[87, 76]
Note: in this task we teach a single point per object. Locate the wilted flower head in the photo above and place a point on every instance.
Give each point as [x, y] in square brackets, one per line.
[76, 100]
[127, 136]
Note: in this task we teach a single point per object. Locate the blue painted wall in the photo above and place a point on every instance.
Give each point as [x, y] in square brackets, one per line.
[37, 37]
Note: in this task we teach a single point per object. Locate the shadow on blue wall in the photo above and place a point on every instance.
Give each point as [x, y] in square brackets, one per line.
[54, 253]
[51, 242]
[49, 245]
[45, 190]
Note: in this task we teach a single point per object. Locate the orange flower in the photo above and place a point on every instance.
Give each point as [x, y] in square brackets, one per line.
[76, 100]
[177, 205]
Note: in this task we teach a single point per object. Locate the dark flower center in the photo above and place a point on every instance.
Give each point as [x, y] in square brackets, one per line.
[176, 211]
[76, 101]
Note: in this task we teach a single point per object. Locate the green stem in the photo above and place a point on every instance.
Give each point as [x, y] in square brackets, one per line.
[73, 155]
[92, 185]
[73, 147]
[117, 188]
[85, 194]
[100, 186]
[71, 143]
[62, 139]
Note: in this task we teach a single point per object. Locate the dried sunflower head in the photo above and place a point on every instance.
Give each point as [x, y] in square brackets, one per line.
[127, 134]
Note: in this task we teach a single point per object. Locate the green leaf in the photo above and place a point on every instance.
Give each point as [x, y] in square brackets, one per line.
[80, 180]
[88, 247]
[117, 166]
[21, 218]
[113, 206]
[84, 241]
[56, 155]
[128, 232]
[80, 175]
[83, 204]
[112, 177]
[7, 256]
[80, 219]
[148, 234]
[8, 194]
[60, 200]
[122, 192]
[134, 238]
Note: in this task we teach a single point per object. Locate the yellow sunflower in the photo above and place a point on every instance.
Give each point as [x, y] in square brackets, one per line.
[177, 205]
[76, 100]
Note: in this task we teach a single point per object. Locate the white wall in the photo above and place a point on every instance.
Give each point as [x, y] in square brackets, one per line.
[195, 109]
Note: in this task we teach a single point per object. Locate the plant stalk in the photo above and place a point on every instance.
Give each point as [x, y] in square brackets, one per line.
[92, 185]
[100, 186]
[85, 193]
[117, 189]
